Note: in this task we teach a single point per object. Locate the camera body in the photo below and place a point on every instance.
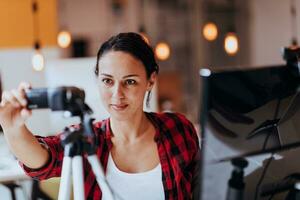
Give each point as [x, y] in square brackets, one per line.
[57, 99]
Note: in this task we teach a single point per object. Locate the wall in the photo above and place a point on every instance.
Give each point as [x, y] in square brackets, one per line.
[15, 66]
[97, 21]
[16, 19]
[271, 29]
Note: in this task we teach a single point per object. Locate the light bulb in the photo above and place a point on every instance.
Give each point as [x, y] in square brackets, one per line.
[162, 51]
[38, 61]
[210, 31]
[64, 39]
[144, 35]
[231, 44]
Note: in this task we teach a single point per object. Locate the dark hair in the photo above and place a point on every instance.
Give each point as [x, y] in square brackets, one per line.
[133, 44]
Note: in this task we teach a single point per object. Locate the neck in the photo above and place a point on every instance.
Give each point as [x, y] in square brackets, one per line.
[131, 129]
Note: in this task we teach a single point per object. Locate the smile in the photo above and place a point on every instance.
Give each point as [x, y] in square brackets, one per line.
[119, 107]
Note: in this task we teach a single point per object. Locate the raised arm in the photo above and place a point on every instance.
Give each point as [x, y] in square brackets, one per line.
[22, 143]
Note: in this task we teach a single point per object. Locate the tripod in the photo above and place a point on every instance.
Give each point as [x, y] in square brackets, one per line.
[77, 141]
[236, 185]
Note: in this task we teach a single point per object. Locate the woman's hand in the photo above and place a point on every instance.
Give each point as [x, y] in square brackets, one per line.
[13, 111]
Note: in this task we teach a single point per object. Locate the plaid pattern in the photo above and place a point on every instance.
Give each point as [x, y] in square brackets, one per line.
[177, 144]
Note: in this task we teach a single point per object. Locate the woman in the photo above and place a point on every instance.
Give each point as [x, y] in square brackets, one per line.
[144, 155]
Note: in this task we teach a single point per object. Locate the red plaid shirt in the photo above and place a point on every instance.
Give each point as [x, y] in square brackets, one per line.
[177, 144]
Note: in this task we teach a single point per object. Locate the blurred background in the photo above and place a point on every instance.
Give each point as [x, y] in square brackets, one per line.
[50, 43]
[186, 35]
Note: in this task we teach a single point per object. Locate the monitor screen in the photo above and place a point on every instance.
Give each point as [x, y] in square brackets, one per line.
[253, 114]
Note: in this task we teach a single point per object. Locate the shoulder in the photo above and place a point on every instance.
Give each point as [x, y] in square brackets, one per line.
[171, 120]
[167, 115]
[178, 135]
[175, 124]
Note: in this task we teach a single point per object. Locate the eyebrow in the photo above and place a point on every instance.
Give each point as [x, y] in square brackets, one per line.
[127, 76]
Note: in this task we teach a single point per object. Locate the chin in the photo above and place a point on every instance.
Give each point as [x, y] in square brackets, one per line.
[119, 116]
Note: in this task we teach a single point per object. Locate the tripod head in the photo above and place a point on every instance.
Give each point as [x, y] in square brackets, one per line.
[292, 57]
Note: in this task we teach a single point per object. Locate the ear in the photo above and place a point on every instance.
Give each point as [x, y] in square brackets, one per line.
[151, 81]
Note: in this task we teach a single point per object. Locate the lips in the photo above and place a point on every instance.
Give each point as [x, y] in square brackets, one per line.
[119, 107]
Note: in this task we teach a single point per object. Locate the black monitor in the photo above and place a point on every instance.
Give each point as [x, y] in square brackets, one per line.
[247, 116]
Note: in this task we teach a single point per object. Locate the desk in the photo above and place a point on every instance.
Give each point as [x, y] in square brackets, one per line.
[15, 173]
[10, 170]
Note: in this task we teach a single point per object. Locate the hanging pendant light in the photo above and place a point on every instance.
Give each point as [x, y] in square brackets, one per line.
[231, 43]
[37, 60]
[162, 51]
[210, 31]
[143, 33]
[64, 39]
[293, 11]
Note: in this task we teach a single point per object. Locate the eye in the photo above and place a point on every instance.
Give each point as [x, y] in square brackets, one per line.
[107, 81]
[130, 82]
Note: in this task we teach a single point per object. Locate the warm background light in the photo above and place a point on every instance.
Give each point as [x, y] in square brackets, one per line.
[64, 39]
[144, 35]
[38, 61]
[231, 44]
[210, 31]
[162, 51]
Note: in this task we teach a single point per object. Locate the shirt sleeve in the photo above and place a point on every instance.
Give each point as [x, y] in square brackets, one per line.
[53, 167]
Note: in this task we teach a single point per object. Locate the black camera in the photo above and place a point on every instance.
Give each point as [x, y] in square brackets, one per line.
[57, 99]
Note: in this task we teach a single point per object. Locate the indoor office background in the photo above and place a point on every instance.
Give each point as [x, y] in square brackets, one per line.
[174, 28]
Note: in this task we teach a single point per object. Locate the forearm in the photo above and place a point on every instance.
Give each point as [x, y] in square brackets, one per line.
[26, 147]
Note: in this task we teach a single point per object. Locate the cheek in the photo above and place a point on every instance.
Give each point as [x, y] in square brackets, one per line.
[137, 94]
[105, 94]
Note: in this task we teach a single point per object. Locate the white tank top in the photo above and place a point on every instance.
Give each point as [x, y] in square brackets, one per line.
[135, 186]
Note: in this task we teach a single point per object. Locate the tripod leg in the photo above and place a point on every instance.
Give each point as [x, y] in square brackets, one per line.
[78, 179]
[99, 173]
[65, 181]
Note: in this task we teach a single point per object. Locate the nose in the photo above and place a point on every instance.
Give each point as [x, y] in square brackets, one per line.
[118, 92]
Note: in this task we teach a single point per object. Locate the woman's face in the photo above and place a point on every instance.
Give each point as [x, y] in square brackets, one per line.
[123, 83]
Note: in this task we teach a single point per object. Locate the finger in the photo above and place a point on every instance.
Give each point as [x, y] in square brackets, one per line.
[25, 113]
[3, 100]
[20, 97]
[24, 86]
[9, 98]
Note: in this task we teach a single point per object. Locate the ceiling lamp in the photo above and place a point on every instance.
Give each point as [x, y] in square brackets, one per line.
[143, 33]
[231, 43]
[210, 31]
[37, 58]
[162, 51]
[38, 61]
[64, 39]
